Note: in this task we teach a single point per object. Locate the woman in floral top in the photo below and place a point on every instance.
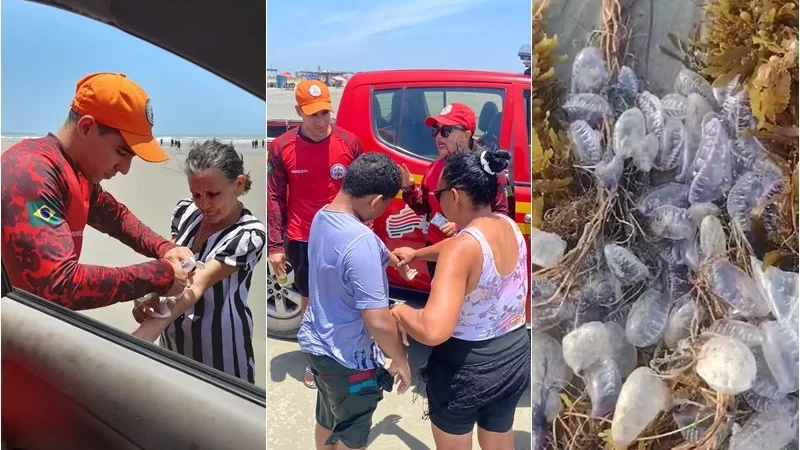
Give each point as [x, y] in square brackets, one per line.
[475, 315]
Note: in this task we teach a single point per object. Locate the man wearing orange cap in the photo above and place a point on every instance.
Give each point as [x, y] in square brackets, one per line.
[305, 168]
[51, 191]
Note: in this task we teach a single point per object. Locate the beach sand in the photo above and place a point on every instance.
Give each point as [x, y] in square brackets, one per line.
[151, 192]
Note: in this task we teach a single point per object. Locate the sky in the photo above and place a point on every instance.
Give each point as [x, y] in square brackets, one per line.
[361, 35]
[43, 58]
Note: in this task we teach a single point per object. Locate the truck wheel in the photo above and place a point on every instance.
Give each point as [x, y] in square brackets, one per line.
[283, 307]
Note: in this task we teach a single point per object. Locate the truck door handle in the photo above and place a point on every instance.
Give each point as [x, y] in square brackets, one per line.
[528, 218]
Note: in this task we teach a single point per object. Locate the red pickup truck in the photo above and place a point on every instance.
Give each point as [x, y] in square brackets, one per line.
[387, 110]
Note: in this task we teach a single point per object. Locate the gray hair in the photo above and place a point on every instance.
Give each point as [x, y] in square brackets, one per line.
[214, 154]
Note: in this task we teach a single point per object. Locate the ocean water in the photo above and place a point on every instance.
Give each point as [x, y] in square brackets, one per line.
[240, 143]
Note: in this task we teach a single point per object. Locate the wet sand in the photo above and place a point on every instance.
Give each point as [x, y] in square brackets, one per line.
[151, 192]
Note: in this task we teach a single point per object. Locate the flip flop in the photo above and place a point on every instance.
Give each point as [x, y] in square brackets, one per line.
[308, 379]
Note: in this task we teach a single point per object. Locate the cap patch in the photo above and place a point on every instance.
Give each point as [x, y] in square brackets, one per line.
[314, 91]
[446, 110]
[148, 112]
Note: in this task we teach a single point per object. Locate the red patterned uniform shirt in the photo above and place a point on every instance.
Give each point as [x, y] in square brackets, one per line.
[47, 204]
[302, 177]
[421, 198]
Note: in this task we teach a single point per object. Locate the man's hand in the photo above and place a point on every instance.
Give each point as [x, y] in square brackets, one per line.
[406, 255]
[141, 309]
[407, 181]
[449, 229]
[401, 373]
[178, 254]
[182, 280]
[278, 263]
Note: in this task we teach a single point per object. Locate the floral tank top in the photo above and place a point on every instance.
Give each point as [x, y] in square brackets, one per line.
[497, 305]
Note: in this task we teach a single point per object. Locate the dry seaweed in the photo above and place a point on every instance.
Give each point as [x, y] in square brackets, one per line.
[757, 41]
[551, 163]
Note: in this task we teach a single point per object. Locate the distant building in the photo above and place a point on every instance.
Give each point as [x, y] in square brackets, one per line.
[338, 81]
[286, 80]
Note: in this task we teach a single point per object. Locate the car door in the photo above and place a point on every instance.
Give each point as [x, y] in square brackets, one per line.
[72, 382]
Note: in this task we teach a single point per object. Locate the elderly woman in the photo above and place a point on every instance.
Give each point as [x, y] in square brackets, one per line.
[211, 322]
[475, 315]
[452, 130]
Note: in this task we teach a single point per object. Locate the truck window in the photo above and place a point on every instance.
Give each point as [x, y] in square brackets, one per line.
[385, 105]
[404, 124]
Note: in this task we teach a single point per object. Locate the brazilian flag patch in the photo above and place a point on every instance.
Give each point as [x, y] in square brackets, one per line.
[269, 167]
[509, 191]
[41, 214]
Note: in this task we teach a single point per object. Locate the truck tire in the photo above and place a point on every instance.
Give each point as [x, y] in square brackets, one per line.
[283, 308]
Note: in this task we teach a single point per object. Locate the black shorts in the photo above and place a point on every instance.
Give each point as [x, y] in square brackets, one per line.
[346, 400]
[444, 389]
[297, 255]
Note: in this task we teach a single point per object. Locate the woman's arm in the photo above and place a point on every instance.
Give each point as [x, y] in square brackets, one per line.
[431, 253]
[204, 279]
[407, 255]
[435, 323]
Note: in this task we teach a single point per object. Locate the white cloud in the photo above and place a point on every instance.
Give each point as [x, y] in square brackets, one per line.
[390, 16]
[339, 17]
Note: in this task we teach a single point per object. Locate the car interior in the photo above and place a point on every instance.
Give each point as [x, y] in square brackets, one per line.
[72, 382]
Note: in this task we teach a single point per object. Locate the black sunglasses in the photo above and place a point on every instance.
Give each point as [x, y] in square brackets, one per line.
[438, 193]
[445, 130]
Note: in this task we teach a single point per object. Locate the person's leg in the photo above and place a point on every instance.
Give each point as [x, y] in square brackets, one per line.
[489, 440]
[325, 418]
[297, 255]
[321, 435]
[448, 441]
[495, 423]
[353, 396]
[451, 429]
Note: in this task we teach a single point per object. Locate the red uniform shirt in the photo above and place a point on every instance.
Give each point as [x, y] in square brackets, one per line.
[46, 206]
[422, 199]
[302, 177]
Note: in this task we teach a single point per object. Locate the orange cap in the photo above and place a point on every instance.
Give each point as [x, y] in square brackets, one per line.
[117, 102]
[313, 96]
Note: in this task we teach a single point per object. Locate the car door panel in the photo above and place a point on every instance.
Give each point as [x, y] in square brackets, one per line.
[119, 380]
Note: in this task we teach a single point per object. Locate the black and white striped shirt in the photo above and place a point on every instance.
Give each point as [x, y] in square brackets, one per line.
[218, 329]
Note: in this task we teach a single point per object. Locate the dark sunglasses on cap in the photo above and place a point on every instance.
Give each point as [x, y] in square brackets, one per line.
[445, 130]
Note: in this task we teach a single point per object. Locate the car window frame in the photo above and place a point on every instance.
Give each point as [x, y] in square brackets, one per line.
[502, 89]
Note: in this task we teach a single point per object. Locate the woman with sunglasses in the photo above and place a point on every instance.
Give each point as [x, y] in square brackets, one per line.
[453, 130]
[475, 315]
